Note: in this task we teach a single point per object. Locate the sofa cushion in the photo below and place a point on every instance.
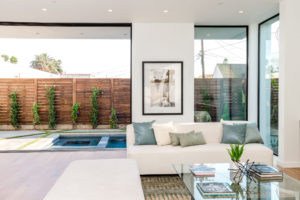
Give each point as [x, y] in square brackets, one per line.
[162, 133]
[212, 131]
[234, 134]
[191, 139]
[174, 137]
[154, 159]
[144, 134]
[252, 134]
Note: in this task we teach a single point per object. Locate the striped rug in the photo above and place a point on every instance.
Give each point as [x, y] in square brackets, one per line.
[164, 187]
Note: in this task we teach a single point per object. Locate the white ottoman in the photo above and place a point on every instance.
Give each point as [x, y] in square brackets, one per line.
[110, 179]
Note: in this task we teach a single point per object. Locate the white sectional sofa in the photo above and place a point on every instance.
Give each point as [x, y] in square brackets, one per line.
[154, 159]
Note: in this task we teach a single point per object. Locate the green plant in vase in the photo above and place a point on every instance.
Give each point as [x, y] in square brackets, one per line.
[235, 152]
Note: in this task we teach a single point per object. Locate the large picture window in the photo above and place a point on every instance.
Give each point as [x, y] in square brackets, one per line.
[269, 81]
[220, 74]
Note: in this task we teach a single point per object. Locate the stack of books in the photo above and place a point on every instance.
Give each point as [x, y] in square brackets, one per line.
[216, 190]
[266, 172]
[202, 170]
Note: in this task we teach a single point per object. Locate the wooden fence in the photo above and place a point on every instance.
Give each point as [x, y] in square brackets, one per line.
[221, 91]
[68, 91]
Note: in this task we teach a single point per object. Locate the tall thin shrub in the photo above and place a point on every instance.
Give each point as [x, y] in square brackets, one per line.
[95, 107]
[35, 113]
[75, 112]
[51, 106]
[113, 120]
[14, 109]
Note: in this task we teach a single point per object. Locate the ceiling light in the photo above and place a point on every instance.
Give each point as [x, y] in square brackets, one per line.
[44, 9]
[165, 11]
[109, 10]
[241, 12]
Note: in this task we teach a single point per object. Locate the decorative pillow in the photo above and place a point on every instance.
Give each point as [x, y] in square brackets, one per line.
[234, 134]
[191, 139]
[143, 133]
[175, 141]
[161, 132]
[252, 134]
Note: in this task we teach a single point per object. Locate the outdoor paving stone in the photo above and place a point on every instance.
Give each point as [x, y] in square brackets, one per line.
[6, 134]
[15, 143]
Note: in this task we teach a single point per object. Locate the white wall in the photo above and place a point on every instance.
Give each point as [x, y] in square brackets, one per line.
[163, 42]
[289, 92]
[252, 73]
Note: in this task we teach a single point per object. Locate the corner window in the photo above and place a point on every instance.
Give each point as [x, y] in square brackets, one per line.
[269, 81]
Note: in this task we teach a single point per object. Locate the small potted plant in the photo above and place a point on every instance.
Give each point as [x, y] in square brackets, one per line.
[235, 152]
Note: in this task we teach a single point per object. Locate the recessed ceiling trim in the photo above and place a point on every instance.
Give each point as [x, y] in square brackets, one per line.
[64, 24]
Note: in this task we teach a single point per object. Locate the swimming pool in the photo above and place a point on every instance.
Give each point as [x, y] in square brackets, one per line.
[82, 142]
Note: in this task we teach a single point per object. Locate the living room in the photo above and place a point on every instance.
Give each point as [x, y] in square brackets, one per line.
[131, 99]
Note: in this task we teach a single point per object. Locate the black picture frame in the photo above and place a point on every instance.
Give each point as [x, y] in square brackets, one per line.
[144, 65]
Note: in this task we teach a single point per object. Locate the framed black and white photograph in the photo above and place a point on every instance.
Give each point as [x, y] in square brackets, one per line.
[162, 88]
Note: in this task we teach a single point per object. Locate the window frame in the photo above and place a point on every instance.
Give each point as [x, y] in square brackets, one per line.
[258, 65]
[76, 24]
[247, 52]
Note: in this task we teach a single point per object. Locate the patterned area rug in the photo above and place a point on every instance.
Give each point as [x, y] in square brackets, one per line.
[164, 187]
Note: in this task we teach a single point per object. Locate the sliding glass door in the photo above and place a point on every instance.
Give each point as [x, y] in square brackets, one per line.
[269, 81]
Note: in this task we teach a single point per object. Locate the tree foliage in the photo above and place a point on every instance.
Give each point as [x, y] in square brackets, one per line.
[46, 63]
[5, 57]
[13, 60]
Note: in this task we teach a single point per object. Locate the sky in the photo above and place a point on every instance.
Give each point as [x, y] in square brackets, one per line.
[215, 51]
[102, 57]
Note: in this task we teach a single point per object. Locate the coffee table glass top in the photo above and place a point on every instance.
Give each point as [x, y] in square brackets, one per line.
[287, 189]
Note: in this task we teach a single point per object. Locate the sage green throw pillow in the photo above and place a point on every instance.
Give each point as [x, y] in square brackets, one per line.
[234, 133]
[252, 134]
[175, 141]
[144, 134]
[191, 139]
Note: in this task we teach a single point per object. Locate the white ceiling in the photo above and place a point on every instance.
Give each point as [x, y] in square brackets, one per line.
[221, 12]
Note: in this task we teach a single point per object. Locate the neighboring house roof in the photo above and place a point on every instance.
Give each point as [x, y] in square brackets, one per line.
[76, 76]
[9, 70]
[230, 71]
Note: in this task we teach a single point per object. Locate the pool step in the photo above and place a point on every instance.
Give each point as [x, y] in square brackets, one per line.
[103, 142]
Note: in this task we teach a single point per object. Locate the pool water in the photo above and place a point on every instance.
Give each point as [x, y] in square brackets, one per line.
[66, 142]
[116, 142]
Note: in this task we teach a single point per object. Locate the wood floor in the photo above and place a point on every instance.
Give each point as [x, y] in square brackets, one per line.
[29, 176]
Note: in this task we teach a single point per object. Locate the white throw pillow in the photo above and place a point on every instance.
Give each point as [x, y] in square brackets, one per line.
[161, 133]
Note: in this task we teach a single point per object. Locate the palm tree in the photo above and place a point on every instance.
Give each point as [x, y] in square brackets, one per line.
[46, 63]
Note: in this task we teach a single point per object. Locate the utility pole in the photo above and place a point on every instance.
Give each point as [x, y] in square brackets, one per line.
[202, 59]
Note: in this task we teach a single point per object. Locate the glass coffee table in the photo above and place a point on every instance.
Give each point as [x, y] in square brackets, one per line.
[288, 189]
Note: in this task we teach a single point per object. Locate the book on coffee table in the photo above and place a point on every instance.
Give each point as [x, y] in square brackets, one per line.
[202, 170]
[215, 189]
[266, 172]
